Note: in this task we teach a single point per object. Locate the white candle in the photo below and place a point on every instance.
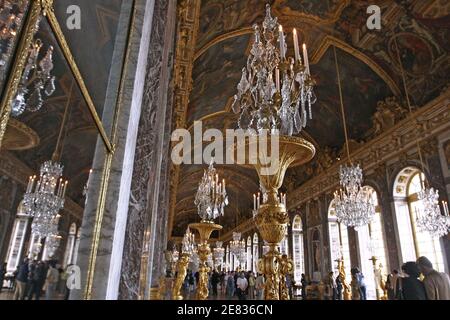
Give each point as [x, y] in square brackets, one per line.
[282, 48]
[29, 185]
[65, 188]
[258, 201]
[277, 78]
[223, 185]
[305, 57]
[254, 202]
[296, 47]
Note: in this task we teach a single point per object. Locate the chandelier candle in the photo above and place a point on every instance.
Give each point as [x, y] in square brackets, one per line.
[296, 47]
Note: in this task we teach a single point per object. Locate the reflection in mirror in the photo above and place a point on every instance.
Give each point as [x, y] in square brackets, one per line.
[12, 15]
[45, 165]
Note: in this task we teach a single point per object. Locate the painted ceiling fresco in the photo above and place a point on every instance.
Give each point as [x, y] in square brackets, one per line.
[367, 61]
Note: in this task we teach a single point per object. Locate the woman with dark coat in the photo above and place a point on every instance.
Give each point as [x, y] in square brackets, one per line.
[410, 287]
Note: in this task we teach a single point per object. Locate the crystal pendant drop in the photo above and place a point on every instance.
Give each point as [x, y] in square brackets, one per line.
[353, 204]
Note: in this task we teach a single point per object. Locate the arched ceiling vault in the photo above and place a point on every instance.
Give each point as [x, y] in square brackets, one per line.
[369, 70]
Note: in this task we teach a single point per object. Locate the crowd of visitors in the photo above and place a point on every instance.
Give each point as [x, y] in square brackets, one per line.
[230, 285]
[34, 280]
[416, 281]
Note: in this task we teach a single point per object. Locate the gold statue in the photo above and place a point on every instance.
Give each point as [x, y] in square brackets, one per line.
[183, 263]
[345, 286]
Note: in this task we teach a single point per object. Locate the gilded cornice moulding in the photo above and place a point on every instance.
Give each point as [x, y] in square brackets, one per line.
[188, 17]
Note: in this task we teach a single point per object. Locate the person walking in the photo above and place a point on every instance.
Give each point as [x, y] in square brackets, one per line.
[356, 290]
[362, 284]
[251, 286]
[304, 283]
[330, 287]
[38, 281]
[215, 279]
[339, 288]
[231, 288]
[437, 284]
[242, 285]
[259, 285]
[21, 280]
[52, 281]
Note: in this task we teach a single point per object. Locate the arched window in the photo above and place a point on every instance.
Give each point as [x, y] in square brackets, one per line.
[297, 242]
[77, 245]
[17, 242]
[70, 246]
[339, 246]
[249, 254]
[255, 252]
[414, 243]
[284, 245]
[371, 243]
[227, 259]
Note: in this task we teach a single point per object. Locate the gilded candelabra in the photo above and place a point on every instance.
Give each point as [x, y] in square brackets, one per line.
[272, 218]
[375, 271]
[204, 228]
[275, 95]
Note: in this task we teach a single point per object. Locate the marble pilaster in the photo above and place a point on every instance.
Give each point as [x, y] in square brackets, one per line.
[146, 228]
[104, 275]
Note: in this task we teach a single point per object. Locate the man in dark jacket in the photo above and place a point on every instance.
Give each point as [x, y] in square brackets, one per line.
[21, 280]
[215, 278]
[39, 276]
[410, 287]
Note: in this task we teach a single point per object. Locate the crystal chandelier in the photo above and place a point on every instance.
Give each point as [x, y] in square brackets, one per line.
[175, 255]
[211, 197]
[237, 245]
[195, 258]
[242, 256]
[353, 204]
[218, 254]
[36, 80]
[188, 244]
[44, 198]
[430, 218]
[210, 261]
[53, 239]
[275, 91]
[11, 16]
[52, 244]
